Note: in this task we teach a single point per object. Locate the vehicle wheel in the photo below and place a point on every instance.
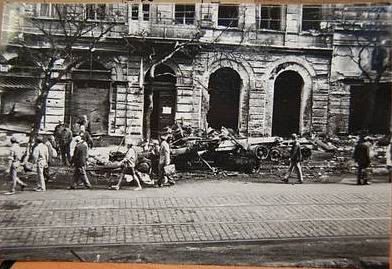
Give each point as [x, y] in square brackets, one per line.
[275, 154]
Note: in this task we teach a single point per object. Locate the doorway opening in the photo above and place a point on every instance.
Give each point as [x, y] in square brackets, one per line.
[224, 88]
[287, 104]
[159, 101]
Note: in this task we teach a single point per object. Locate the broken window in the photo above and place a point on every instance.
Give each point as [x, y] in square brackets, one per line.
[269, 17]
[146, 12]
[95, 12]
[311, 17]
[135, 12]
[51, 10]
[228, 16]
[185, 14]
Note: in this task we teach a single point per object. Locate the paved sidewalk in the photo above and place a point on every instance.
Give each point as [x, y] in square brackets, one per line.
[196, 212]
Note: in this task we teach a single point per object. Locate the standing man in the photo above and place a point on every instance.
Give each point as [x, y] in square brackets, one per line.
[51, 152]
[295, 160]
[15, 156]
[164, 160]
[362, 157]
[79, 159]
[65, 145]
[41, 159]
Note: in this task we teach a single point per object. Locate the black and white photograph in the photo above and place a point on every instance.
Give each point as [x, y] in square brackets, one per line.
[215, 133]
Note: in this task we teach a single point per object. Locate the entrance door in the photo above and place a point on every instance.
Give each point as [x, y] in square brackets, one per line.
[92, 99]
[164, 101]
[287, 104]
[224, 88]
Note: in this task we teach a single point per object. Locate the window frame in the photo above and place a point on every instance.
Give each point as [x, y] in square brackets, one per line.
[309, 24]
[270, 18]
[230, 19]
[94, 9]
[182, 19]
[146, 13]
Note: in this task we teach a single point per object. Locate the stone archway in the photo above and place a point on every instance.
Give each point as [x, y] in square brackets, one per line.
[224, 89]
[248, 82]
[307, 73]
[287, 102]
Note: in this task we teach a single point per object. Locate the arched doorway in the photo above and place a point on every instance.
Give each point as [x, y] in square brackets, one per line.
[90, 96]
[224, 88]
[287, 104]
[159, 101]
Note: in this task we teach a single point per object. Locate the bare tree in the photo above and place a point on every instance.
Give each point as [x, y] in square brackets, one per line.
[369, 48]
[46, 42]
[188, 48]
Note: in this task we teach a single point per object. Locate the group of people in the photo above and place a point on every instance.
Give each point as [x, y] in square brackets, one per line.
[135, 166]
[41, 152]
[361, 155]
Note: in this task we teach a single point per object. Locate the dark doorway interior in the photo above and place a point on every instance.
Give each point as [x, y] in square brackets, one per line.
[287, 103]
[224, 89]
[90, 96]
[163, 91]
[359, 106]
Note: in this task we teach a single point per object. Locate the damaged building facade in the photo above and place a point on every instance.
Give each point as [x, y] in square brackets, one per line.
[262, 70]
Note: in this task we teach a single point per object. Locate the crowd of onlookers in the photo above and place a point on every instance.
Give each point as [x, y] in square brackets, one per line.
[72, 148]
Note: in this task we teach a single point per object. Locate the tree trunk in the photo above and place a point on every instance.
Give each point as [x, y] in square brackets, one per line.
[40, 106]
[147, 115]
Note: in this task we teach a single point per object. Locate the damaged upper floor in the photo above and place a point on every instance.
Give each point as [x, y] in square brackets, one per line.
[247, 24]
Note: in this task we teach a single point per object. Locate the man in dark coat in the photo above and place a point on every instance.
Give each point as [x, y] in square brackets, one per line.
[63, 137]
[362, 157]
[295, 160]
[79, 160]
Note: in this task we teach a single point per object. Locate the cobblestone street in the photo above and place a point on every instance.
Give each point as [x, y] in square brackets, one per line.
[198, 212]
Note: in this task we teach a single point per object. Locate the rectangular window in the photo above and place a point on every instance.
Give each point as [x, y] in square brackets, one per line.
[135, 12]
[95, 12]
[44, 10]
[311, 17]
[146, 12]
[269, 17]
[185, 14]
[228, 16]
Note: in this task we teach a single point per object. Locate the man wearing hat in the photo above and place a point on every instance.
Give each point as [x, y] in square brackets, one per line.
[129, 163]
[41, 159]
[164, 160]
[295, 160]
[79, 159]
[14, 159]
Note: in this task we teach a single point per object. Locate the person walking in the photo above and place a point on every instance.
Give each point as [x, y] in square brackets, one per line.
[295, 160]
[14, 159]
[129, 164]
[361, 156]
[164, 160]
[79, 160]
[41, 159]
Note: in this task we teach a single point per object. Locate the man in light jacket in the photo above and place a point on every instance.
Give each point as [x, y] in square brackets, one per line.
[14, 159]
[41, 159]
